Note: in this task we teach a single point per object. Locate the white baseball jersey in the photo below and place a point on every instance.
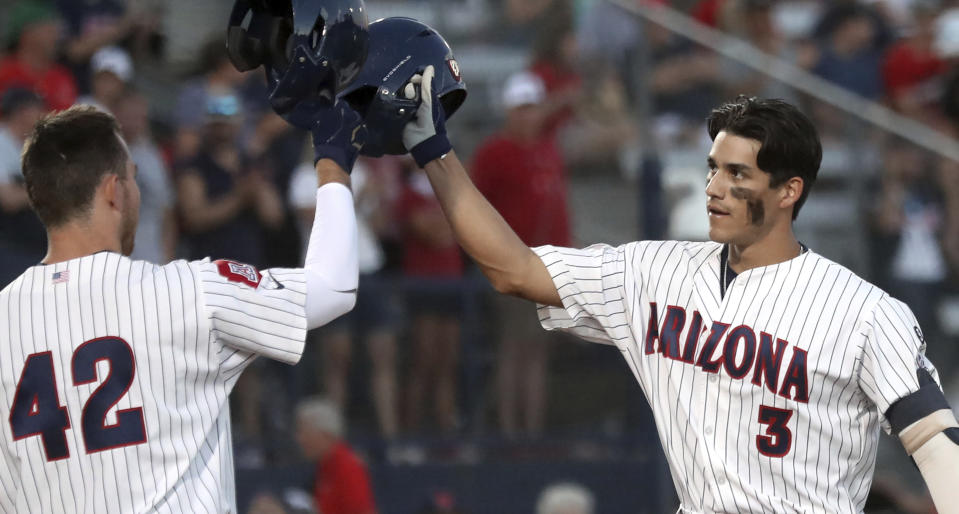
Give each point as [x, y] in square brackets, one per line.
[114, 377]
[768, 398]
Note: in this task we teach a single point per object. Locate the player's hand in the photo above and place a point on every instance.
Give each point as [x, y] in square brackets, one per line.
[425, 135]
[338, 131]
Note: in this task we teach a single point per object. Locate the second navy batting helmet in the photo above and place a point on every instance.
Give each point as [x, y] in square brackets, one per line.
[400, 48]
[309, 48]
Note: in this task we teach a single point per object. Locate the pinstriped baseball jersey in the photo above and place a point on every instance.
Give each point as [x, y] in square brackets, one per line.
[115, 375]
[768, 398]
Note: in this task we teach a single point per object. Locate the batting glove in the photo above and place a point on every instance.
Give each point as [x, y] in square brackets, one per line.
[425, 135]
[338, 131]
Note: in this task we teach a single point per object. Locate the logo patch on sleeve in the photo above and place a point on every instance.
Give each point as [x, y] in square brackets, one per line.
[239, 272]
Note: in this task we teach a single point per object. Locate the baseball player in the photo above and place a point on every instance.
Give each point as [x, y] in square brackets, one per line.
[769, 368]
[114, 373]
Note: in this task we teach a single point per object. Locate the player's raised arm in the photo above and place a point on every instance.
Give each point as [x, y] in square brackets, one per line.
[268, 314]
[331, 267]
[510, 265]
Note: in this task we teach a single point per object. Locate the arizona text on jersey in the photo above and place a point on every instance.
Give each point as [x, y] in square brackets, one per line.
[767, 399]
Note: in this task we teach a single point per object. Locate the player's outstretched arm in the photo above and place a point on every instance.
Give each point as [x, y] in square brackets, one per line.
[332, 270]
[507, 262]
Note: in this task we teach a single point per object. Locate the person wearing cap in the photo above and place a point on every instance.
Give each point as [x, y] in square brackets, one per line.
[22, 237]
[33, 29]
[521, 171]
[112, 72]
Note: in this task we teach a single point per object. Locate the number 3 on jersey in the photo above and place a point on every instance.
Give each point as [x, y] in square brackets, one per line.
[778, 439]
[36, 406]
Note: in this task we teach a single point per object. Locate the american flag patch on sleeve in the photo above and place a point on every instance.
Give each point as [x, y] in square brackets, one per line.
[61, 276]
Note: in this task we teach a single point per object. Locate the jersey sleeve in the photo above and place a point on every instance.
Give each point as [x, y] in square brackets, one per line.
[260, 313]
[893, 354]
[591, 283]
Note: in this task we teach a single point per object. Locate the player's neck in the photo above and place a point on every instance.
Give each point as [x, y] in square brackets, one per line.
[777, 246]
[76, 240]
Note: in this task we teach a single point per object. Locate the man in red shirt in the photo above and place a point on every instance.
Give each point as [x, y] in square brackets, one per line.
[32, 65]
[342, 484]
[911, 66]
[521, 172]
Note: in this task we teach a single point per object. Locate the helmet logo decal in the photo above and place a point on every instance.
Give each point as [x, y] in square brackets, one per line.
[401, 63]
[454, 69]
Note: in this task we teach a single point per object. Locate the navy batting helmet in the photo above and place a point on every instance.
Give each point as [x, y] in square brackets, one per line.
[400, 48]
[309, 48]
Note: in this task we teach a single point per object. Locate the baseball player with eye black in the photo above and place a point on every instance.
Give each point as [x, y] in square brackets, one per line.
[115, 373]
[769, 368]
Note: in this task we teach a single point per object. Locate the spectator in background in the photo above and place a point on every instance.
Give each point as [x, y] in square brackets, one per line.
[565, 498]
[373, 317]
[95, 24]
[434, 265]
[34, 30]
[555, 59]
[112, 72]
[909, 218]
[684, 83]
[342, 484]
[22, 237]
[911, 68]
[521, 172]
[219, 78]
[517, 20]
[225, 199]
[852, 39]
[156, 237]
[610, 38]
[591, 130]
[752, 21]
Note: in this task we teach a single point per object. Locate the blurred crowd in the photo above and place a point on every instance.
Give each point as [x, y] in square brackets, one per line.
[429, 351]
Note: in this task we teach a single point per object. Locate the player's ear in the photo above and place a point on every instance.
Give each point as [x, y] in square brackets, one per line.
[790, 192]
[111, 189]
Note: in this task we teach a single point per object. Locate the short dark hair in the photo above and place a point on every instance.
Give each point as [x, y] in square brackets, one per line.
[789, 143]
[66, 157]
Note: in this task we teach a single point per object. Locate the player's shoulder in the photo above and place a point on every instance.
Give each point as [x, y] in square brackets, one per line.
[830, 271]
[693, 253]
[818, 263]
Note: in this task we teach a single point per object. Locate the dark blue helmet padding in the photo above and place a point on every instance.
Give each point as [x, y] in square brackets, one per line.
[400, 48]
[309, 48]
